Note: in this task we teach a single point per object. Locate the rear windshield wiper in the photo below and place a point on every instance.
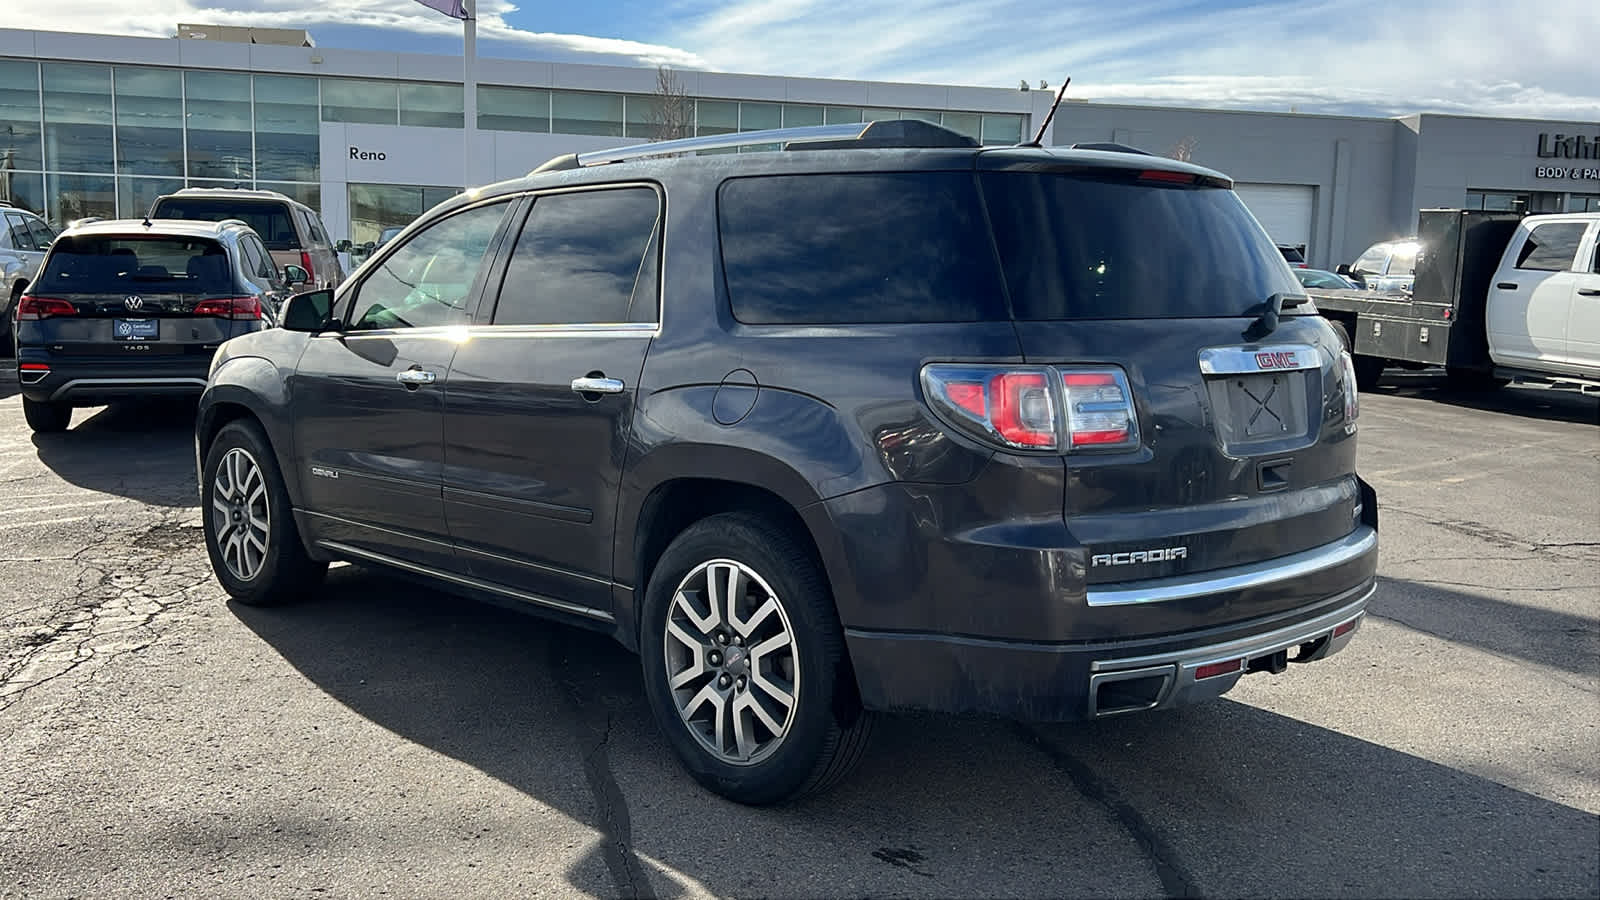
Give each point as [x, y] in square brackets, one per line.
[1267, 322]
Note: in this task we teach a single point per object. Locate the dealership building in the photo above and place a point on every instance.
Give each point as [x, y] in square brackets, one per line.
[96, 125]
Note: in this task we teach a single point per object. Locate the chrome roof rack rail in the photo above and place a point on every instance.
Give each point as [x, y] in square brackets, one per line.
[902, 133]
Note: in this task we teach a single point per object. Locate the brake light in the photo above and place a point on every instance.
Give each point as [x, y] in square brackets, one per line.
[1166, 176]
[1352, 397]
[34, 367]
[1025, 407]
[1100, 413]
[231, 308]
[305, 263]
[32, 309]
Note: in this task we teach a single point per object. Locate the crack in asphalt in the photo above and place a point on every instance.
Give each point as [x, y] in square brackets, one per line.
[592, 731]
[1495, 536]
[1163, 857]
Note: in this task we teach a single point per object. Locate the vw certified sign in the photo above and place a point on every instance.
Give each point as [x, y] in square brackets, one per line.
[133, 301]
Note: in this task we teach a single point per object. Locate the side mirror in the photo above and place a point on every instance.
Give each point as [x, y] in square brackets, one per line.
[1344, 269]
[311, 311]
[342, 247]
[293, 274]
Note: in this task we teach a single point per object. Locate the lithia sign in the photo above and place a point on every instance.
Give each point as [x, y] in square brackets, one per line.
[1574, 146]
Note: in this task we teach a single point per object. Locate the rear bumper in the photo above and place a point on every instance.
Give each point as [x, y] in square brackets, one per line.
[91, 383]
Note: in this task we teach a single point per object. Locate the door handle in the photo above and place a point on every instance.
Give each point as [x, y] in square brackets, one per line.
[415, 378]
[590, 384]
[1589, 292]
[1507, 285]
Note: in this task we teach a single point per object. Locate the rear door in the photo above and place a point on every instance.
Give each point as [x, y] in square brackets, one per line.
[1242, 450]
[369, 429]
[1530, 301]
[1583, 324]
[139, 300]
[539, 401]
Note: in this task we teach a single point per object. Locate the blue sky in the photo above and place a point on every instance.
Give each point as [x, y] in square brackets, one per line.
[1351, 56]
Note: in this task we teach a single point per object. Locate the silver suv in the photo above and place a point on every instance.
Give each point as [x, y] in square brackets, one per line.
[291, 230]
[24, 238]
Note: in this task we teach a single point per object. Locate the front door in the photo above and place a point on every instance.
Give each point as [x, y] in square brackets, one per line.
[369, 397]
[540, 400]
[1583, 323]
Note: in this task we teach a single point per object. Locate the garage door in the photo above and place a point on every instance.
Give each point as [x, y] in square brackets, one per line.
[1284, 210]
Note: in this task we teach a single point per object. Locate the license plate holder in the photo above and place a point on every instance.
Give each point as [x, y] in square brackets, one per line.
[136, 329]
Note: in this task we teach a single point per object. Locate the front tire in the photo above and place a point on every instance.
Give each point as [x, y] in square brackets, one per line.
[251, 537]
[744, 663]
[46, 418]
[1472, 381]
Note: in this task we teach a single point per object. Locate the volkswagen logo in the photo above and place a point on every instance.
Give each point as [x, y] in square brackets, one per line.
[133, 301]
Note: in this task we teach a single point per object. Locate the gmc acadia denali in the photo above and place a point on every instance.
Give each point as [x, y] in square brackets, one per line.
[879, 419]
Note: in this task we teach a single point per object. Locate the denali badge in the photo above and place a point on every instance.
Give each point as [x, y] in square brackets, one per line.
[1139, 557]
[1282, 359]
[320, 472]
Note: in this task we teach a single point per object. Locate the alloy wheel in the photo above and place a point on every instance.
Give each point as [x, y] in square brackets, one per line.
[731, 661]
[241, 518]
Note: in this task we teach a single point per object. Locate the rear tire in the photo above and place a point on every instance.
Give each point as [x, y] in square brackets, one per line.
[703, 681]
[1368, 368]
[251, 537]
[46, 418]
[1473, 381]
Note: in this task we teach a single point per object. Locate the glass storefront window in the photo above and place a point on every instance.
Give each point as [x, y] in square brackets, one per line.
[149, 121]
[716, 117]
[23, 189]
[375, 207]
[836, 115]
[801, 116]
[923, 114]
[134, 195]
[880, 115]
[579, 113]
[433, 105]
[309, 194]
[647, 119]
[21, 146]
[965, 123]
[77, 196]
[351, 100]
[217, 107]
[513, 109]
[286, 128]
[1002, 130]
[760, 116]
[77, 118]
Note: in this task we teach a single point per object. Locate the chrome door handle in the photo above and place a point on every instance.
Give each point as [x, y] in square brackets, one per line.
[1589, 292]
[414, 378]
[591, 385]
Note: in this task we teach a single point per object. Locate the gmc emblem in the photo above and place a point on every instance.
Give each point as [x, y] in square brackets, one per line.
[1282, 359]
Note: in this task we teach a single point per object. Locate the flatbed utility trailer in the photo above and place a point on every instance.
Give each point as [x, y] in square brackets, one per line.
[1442, 321]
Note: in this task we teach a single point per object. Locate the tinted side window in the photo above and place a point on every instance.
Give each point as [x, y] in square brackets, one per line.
[583, 258]
[428, 280]
[21, 237]
[861, 248]
[1552, 247]
[42, 234]
[268, 218]
[1404, 261]
[1372, 262]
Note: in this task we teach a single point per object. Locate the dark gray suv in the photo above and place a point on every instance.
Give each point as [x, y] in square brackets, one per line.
[877, 420]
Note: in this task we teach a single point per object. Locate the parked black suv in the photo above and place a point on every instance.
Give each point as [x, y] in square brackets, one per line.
[884, 420]
[130, 308]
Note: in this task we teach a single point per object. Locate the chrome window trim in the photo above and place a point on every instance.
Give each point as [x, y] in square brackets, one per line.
[1351, 547]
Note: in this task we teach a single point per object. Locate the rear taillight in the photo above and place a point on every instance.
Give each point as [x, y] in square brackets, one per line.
[1166, 176]
[1100, 412]
[32, 309]
[231, 308]
[305, 263]
[1035, 407]
[1352, 398]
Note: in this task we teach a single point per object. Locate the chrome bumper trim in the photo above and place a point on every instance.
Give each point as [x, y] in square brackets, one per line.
[1352, 546]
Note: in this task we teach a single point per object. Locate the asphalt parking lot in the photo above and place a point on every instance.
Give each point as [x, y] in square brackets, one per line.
[382, 739]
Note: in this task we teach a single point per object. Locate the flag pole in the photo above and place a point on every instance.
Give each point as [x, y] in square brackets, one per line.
[469, 89]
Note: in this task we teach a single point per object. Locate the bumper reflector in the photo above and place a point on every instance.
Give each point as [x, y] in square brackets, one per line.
[1214, 669]
[1345, 629]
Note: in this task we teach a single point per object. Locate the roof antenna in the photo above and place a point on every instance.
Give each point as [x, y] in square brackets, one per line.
[1038, 139]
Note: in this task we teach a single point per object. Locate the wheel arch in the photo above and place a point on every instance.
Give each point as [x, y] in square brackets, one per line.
[248, 388]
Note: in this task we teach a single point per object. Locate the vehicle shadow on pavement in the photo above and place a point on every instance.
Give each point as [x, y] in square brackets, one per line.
[1538, 635]
[1223, 798]
[143, 451]
[8, 382]
[1528, 401]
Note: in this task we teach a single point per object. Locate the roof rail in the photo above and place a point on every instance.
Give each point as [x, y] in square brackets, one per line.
[901, 133]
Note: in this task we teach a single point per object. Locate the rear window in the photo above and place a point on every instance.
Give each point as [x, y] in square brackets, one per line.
[1292, 254]
[1083, 247]
[857, 248]
[269, 218]
[91, 264]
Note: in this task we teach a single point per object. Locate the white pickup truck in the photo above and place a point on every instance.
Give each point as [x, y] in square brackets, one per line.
[1496, 296]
